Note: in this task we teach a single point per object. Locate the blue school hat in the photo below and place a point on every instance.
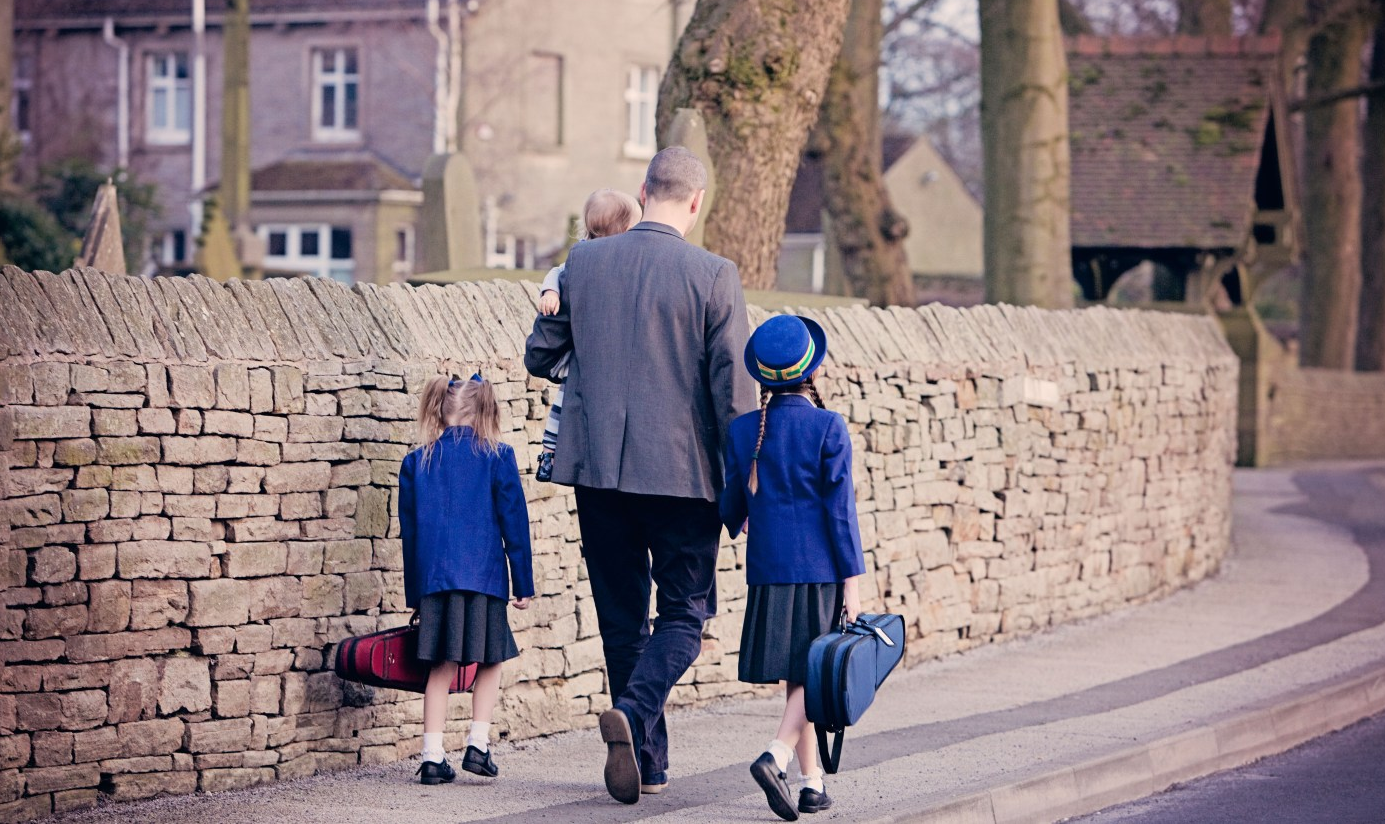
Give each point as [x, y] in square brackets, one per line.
[785, 350]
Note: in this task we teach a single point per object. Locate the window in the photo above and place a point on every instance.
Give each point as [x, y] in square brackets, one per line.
[544, 101]
[22, 105]
[403, 264]
[169, 102]
[319, 250]
[336, 89]
[641, 98]
[172, 247]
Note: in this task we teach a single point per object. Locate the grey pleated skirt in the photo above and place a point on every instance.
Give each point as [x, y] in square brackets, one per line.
[466, 627]
[781, 621]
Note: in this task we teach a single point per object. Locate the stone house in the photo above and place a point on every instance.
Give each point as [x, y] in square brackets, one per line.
[945, 225]
[1181, 157]
[557, 99]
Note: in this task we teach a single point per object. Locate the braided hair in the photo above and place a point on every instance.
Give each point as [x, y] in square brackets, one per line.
[753, 479]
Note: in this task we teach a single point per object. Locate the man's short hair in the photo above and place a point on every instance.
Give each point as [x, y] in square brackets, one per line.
[675, 174]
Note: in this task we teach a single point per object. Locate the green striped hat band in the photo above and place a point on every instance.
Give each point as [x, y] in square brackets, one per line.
[792, 372]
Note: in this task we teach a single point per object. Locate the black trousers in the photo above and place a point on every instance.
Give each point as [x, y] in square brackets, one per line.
[629, 540]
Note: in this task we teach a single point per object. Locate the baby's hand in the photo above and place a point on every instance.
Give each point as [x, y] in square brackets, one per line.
[521, 603]
[548, 303]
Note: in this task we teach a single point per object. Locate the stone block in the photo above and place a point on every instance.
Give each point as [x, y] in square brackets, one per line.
[51, 779]
[66, 594]
[68, 801]
[58, 622]
[155, 421]
[155, 737]
[25, 482]
[156, 384]
[232, 386]
[191, 387]
[83, 709]
[127, 451]
[264, 694]
[346, 556]
[135, 478]
[275, 597]
[220, 602]
[257, 453]
[339, 503]
[190, 506]
[215, 640]
[51, 422]
[52, 565]
[192, 451]
[299, 477]
[262, 529]
[305, 557]
[96, 561]
[36, 510]
[261, 390]
[244, 479]
[232, 699]
[150, 528]
[322, 596]
[14, 747]
[250, 560]
[232, 735]
[95, 745]
[85, 504]
[254, 638]
[355, 473]
[210, 480]
[288, 389]
[155, 603]
[93, 477]
[221, 422]
[315, 428]
[187, 422]
[163, 559]
[135, 786]
[52, 749]
[110, 606]
[196, 529]
[373, 512]
[117, 422]
[363, 591]
[296, 506]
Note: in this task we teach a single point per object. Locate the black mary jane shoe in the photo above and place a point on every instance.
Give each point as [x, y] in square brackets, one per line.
[776, 786]
[812, 801]
[436, 772]
[479, 763]
[545, 472]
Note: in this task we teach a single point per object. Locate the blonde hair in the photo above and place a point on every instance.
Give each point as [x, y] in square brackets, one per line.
[609, 212]
[467, 402]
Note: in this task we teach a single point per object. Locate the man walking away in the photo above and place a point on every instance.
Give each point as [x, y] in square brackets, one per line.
[656, 328]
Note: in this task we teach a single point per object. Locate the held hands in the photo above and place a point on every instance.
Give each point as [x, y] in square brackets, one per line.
[851, 599]
[521, 603]
[548, 305]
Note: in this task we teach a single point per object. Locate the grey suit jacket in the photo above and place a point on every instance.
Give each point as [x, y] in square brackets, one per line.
[657, 330]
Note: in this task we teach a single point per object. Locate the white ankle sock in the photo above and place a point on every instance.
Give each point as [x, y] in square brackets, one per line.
[479, 736]
[782, 753]
[813, 782]
[432, 747]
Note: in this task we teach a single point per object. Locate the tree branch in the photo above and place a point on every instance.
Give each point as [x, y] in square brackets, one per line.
[1363, 90]
[905, 15]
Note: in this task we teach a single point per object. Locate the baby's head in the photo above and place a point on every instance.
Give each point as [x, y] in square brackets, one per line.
[609, 212]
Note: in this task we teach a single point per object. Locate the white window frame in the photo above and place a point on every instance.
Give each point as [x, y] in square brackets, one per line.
[641, 103]
[322, 265]
[22, 84]
[168, 133]
[339, 80]
[168, 247]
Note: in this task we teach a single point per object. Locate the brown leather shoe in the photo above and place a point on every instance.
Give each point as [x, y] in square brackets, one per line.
[622, 767]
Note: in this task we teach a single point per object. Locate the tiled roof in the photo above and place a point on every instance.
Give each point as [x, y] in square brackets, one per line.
[362, 175]
[1166, 137]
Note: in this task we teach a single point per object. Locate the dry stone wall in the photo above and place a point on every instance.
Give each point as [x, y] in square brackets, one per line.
[199, 495]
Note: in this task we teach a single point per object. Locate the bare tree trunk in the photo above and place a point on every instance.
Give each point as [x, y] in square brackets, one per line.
[1024, 129]
[1332, 199]
[7, 137]
[1370, 340]
[1200, 17]
[868, 232]
[756, 69]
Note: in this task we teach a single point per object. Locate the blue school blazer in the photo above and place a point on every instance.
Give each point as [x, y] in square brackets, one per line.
[462, 517]
[803, 527]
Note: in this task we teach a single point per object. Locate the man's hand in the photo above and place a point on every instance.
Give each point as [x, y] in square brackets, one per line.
[521, 603]
[851, 598]
[548, 303]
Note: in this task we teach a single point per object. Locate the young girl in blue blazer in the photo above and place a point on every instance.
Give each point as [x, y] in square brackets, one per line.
[788, 484]
[463, 520]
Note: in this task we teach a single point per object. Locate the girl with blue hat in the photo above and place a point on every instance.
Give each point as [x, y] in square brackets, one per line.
[788, 484]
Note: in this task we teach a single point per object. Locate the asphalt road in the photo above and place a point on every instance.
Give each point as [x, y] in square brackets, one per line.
[1336, 779]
